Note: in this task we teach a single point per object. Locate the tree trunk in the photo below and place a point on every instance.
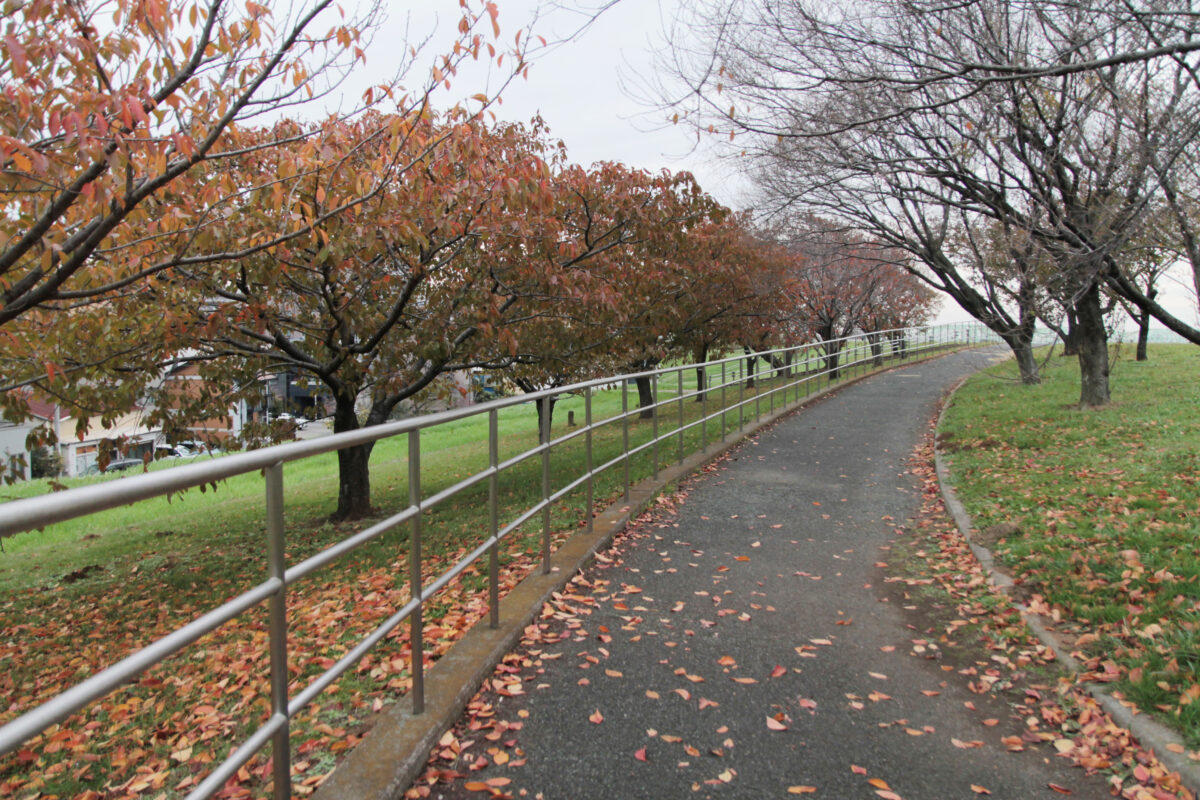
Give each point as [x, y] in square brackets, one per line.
[833, 351]
[1022, 350]
[545, 417]
[354, 469]
[876, 341]
[701, 355]
[1092, 341]
[751, 367]
[645, 398]
[1071, 340]
[1143, 321]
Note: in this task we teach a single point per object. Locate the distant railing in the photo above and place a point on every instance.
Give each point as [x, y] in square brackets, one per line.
[802, 368]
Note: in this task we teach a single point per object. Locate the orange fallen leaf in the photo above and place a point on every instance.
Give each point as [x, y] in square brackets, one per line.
[802, 789]
[857, 770]
[596, 717]
[878, 783]
[775, 725]
[959, 743]
[979, 789]
[778, 672]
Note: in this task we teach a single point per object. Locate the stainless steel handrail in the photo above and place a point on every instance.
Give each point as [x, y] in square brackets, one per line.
[37, 512]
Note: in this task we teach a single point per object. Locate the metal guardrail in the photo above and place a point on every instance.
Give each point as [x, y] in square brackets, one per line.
[30, 513]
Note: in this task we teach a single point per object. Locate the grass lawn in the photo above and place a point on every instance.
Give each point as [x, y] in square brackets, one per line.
[1107, 509]
[80, 595]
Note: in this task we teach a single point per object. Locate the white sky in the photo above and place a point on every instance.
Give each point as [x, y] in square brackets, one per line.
[576, 86]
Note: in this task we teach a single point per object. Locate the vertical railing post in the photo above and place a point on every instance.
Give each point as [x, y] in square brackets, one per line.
[704, 408]
[741, 396]
[774, 378]
[654, 425]
[757, 391]
[625, 432]
[416, 635]
[494, 517]
[277, 568]
[546, 485]
[679, 399]
[724, 405]
[587, 455]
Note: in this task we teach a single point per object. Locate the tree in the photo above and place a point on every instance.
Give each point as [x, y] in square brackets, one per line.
[377, 301]
[108, 107]
[1047, 118]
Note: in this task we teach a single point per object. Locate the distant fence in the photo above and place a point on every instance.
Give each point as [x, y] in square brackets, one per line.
[790, 374]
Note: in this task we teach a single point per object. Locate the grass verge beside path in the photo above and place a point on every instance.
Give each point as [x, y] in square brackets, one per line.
[1097, 514]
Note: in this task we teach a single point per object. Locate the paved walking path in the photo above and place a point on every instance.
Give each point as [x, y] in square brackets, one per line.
[766, 600]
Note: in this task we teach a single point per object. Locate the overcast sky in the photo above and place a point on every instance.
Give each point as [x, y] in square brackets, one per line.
[575, 86]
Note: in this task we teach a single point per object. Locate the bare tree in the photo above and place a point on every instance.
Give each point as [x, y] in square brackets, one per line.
[1062, 122]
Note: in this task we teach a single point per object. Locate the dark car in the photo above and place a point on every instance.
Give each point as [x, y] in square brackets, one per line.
[117, 465]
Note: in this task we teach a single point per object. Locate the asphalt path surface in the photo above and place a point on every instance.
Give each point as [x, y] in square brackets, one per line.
[750, 647]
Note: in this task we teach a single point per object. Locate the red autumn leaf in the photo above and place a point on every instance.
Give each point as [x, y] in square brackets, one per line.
[778, 672]
[640, 754]
[596, 717]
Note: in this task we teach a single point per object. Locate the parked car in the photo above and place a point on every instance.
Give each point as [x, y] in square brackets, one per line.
[172, 451]
[116, 465]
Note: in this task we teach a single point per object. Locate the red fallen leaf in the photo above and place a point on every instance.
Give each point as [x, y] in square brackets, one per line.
[640, 754]
[741, 558]
[706, 703]
[778, 672]
[857, 770]
[1059, 789]
[979, 789]
[775, 725]
[887, 794]
[596, 717]
[498, 782]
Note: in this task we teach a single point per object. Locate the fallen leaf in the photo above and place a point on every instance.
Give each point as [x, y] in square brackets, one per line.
[857, 770]
[878, 783]
[596, 717]
[775, 725]
[979, 789]
[1059, 789]
[640, 754]
[778, 672]
[802, 789]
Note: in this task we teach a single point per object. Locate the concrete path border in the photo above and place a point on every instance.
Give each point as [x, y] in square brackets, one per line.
[1153, 735]
[396, 749]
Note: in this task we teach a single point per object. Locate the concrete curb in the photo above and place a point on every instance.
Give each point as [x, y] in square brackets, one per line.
[396, 749]
[1153, 735]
